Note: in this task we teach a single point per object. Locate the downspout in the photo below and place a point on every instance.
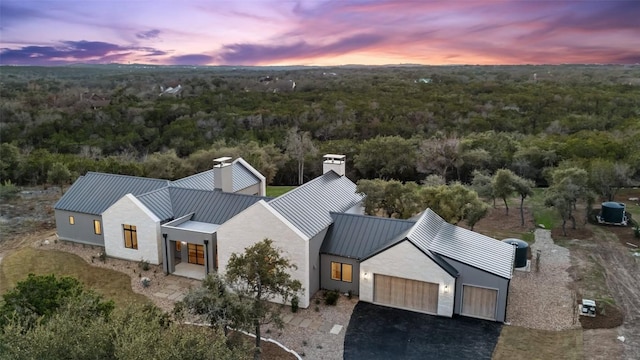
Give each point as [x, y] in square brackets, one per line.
[166, 255]
[206, 260]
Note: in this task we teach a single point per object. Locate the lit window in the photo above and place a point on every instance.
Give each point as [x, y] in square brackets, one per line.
[97, 227]
[341, 272]
[72, 221]
[178, 246]
[130, 236]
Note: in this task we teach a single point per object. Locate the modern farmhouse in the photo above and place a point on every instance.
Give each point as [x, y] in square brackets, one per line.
[193, 225]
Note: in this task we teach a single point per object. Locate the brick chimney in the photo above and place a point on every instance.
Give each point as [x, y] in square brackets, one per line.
[334, 162]
[223, 174]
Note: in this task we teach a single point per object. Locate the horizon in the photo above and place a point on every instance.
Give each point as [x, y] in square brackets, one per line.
[322, 33]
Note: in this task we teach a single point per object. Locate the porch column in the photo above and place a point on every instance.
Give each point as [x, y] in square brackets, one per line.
[165, 251]
[206, 257]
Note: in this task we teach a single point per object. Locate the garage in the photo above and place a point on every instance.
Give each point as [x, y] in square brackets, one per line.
[405, 293]
[479, 302]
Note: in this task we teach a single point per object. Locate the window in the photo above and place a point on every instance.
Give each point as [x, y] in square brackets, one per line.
[72, 221]
[97, 227]
[178, 246]
[130, 236]
[196, 254]
[341, 272]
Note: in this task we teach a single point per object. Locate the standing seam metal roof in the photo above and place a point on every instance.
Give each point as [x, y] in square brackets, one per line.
[308, 206]
[356, 236]
[95, 192]
[214, 207]
[242, 179]
[432, 233]
[159, 202]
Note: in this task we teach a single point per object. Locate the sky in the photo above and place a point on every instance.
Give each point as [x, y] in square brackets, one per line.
[319, 32]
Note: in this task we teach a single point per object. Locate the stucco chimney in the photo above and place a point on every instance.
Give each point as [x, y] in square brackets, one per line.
[223, 174]
[334, 162]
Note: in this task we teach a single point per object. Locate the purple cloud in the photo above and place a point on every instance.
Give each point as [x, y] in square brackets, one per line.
[240, 54]
[191, 59]
[146, 35]
[71, 51]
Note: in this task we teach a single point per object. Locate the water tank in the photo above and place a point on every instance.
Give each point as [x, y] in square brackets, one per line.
[612, 212]
[521, 251]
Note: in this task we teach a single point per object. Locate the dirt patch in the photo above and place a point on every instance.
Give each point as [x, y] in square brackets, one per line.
[580, 232]
[608, 317]
[501, 226]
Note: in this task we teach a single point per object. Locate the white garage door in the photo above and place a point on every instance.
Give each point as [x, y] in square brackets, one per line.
[479, 302]
[405, 293]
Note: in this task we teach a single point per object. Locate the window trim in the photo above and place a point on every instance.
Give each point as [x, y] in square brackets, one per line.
[341, 276]
[130, 232]
[97, 227]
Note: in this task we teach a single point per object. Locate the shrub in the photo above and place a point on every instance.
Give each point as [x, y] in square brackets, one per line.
[144, 265]
[102, 256]
[146, 282]
[294, 304]
[331, 297]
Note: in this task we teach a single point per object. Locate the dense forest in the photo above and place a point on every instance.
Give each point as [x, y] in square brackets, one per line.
[393, 122]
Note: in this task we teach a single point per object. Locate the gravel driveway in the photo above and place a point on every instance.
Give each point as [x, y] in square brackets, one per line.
[542, 299]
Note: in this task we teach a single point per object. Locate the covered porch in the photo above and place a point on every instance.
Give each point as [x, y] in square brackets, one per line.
[189, 247]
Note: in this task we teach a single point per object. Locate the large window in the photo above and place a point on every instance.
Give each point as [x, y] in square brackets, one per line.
[97, 227]
[130, 236]
[72, 221]
[341, 272]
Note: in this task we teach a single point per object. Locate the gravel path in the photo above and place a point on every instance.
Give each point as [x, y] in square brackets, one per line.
[542, 299]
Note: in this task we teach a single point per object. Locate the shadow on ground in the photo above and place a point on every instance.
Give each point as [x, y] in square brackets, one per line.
[378, 332]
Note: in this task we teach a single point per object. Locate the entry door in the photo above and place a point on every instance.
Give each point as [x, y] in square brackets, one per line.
[479, 302]
[196, 254]
[405, 293]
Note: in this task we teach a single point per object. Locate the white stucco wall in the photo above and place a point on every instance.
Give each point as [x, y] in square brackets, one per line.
[129, 210]
[404, 260]
[255, 224]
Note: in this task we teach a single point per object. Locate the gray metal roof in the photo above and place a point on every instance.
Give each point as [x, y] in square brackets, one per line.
[94, 192]
[214, 207]
[356, 236]
[432, 233]
[308, 206]
[242, 179]
[159, 202]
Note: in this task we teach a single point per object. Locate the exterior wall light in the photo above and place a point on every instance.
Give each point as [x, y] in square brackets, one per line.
[183, 242]
[446, 289]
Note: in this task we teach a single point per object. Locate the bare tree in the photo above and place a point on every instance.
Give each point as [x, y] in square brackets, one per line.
[299, 145]
[439, 154]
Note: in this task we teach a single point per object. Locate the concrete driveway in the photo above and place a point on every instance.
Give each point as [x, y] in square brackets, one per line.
[378, 332]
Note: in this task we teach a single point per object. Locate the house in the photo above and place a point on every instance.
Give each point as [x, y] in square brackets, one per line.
[193, 226]
[126, 214]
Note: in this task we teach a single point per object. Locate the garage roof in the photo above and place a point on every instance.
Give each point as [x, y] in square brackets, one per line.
[433, 233]
[356, 236]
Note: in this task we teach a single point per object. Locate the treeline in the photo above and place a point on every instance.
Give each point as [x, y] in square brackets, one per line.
[391, 122]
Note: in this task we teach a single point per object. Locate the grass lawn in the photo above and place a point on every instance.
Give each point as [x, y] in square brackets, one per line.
[521, 343]
[275, 191]
[110, 283]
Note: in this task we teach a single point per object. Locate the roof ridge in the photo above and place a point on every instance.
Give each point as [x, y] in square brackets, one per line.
[372, 217]
[304, 186]
[127, 176]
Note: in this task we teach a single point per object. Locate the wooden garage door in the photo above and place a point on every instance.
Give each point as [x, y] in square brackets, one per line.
[405, 293]
[479, 302]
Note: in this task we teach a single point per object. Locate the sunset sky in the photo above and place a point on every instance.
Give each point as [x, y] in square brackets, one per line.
[319, 32]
